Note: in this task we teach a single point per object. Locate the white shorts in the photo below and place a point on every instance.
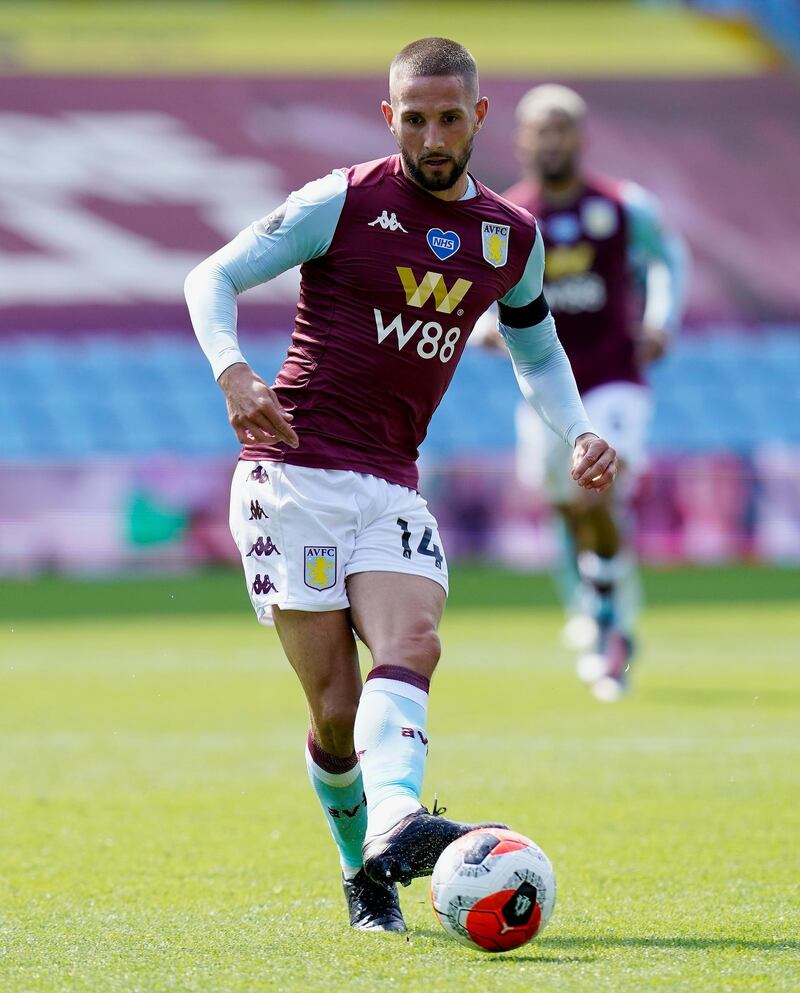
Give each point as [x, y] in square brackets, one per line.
[301, 532]
[620, 413]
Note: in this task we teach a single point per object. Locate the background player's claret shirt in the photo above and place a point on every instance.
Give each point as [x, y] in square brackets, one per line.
[587, 280]
[386, 304]
[611, 261]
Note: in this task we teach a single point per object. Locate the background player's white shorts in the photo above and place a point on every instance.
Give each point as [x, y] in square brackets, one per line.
[620, 413]
[301, 532]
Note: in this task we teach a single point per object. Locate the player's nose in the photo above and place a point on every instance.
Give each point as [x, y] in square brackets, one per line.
[434, 138]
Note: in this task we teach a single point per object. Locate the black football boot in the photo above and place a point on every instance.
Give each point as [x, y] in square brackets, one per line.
[412, 847]
[372, 907]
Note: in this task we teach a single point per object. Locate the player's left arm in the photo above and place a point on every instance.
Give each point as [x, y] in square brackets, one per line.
[545, 375]
[661, 254]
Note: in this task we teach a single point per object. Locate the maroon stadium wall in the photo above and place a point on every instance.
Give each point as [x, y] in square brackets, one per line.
[113, 188]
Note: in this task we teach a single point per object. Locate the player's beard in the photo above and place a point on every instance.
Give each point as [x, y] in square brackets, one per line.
[435, 184]
[558, 177]
[558, 173]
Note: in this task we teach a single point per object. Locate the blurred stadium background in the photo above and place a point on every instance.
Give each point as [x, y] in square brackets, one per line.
[137, 138]
[156, 829]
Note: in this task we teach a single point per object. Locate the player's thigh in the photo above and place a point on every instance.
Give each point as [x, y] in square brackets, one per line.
[295, 528]
[397, 616]
[397, 580]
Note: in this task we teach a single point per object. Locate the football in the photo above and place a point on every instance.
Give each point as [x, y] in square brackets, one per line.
[493, 889]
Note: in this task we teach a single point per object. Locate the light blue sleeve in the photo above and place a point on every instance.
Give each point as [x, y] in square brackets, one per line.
[530, 285]
[300, 229]
[659, 254]
[538, 357]
[546, 379]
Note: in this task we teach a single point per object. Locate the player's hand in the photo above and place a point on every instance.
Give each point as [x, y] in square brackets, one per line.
[594, 463]
[253, 409]
[651, 345]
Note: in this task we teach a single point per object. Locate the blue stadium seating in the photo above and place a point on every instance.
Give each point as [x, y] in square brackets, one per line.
[106, 395]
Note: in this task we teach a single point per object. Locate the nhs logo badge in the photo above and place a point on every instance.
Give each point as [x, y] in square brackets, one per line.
[494, 238]
[443, 244]
[320, 566]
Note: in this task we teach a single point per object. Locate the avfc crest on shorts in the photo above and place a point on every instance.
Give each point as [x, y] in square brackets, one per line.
[495, 243]
[320, 566]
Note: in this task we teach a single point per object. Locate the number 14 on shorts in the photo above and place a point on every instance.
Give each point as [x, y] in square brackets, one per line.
[424, 547]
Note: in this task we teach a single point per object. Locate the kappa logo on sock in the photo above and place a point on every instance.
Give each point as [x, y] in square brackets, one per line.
[349, 812]
[412, 733]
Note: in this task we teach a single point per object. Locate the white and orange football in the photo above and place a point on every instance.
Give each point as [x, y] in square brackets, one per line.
[493, 889]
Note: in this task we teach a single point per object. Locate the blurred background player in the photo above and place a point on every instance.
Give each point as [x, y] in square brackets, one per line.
[614, 279]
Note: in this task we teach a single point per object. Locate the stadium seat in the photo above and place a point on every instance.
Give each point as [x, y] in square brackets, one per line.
[104, 394]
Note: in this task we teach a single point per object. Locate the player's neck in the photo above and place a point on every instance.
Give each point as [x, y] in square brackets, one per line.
[560, 191]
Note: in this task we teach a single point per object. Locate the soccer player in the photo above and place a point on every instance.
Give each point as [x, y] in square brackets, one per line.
[605, 245]
[399, 257]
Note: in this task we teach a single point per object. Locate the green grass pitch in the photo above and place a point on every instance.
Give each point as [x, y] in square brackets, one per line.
[157, 832]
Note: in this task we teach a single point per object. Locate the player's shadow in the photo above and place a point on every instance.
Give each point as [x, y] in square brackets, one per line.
[440, 938]
[665, 941]
[589, 946]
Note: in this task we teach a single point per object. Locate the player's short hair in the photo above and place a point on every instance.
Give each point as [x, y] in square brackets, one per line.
[551, 96]
[436, 57]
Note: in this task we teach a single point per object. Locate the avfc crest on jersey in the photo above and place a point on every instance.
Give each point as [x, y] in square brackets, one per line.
[495, 243]
[320, 566]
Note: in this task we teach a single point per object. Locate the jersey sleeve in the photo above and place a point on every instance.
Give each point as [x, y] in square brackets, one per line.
[546, 378]
[300, 229]
[540, 362]
[524, 304]
[657, 253]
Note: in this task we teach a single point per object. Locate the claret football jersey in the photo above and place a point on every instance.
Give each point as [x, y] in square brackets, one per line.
[587, 279]
[393, 280]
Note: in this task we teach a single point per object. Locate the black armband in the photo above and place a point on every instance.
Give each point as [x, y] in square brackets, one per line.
[524, 317]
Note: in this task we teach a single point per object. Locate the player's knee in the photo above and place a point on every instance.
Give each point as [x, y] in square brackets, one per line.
[333, 726]
[418, 650]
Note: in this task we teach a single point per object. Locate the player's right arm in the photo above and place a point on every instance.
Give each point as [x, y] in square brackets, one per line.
[662, 257]
[300, 229]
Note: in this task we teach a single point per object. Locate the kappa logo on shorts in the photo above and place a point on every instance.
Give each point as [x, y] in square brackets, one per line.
[256, 511]
[320, 566]
[262, 547]
[261, 587]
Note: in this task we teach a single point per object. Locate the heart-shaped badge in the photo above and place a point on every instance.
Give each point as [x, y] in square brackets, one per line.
[443, 244]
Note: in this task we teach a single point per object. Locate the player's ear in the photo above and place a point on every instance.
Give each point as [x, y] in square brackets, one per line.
[481, 110]
[388, 114]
